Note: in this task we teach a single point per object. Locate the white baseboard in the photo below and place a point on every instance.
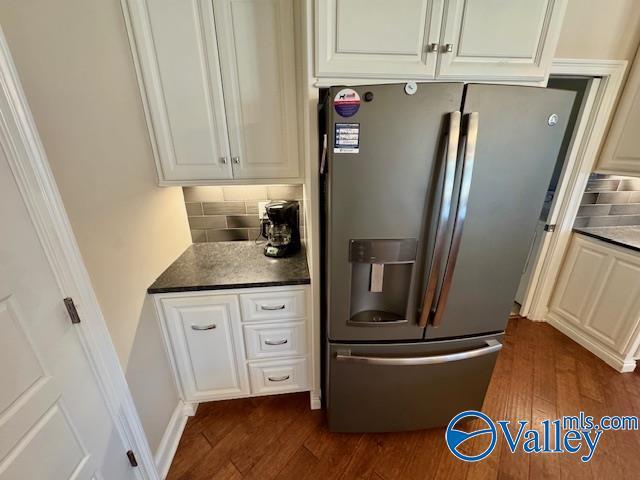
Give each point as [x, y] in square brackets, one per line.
[615, 361]
[171, 437]
[315, 402]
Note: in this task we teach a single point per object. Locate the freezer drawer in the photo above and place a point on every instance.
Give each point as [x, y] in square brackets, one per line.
[393, 387]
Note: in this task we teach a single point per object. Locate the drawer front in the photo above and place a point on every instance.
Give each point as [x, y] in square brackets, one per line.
[264, 340]
[278, 376]
[277, 305]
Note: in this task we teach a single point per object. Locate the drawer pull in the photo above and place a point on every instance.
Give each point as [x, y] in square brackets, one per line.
[278, 379]
[272, 307]
[203, 327]
[275, 342]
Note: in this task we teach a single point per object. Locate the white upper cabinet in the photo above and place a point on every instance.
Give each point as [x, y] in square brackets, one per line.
[444, 39]
[178, 54]
[218, 81]
[378, 38]
[621, 151]
[498, 39]
[257, 56]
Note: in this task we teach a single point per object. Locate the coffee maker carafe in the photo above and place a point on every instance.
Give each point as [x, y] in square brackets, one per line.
[281, 228]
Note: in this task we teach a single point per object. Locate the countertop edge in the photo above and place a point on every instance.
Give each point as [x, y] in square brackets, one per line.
[230, 286]
[606, 239]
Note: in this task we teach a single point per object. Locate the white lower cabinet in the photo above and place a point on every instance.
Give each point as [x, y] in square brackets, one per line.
[217, 352]
[596, 300]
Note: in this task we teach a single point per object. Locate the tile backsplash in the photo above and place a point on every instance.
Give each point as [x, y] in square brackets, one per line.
[220, 214]
[609, 200]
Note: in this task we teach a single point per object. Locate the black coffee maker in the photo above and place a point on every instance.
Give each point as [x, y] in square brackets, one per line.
[281, 228]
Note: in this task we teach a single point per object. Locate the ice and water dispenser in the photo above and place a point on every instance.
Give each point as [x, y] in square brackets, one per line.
[381, 274]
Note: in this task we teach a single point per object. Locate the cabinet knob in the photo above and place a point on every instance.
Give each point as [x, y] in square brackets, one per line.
[448, 48]
[432, 48]
[235, 160]
[223, 160]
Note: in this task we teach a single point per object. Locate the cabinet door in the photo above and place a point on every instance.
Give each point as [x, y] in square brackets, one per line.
[621, 151]
[206, 338]
[176, 47]
[377, 38]
[499, 39]
[599, 292]
[256, 41]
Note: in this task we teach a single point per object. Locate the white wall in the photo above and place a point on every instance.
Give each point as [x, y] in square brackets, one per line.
[600, 29]
[76, 68]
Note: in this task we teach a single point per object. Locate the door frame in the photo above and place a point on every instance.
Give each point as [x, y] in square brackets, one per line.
[28, 162]
[582, 157]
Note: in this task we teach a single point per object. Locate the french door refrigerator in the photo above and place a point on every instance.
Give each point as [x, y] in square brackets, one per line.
[430, 196]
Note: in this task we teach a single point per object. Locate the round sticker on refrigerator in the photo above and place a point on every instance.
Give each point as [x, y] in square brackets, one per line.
[346, 102]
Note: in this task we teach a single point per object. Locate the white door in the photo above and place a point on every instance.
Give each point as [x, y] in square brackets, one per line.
[178, 55]
[377, 38]
[54, 423]
[498, 39]
[206, 337]
[257, 60]
[532, 259]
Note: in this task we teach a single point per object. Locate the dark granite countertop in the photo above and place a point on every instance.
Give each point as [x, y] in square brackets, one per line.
[224, 265]
[628, 237]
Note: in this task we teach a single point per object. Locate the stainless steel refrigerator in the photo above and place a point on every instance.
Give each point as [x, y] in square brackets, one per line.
[431, 193]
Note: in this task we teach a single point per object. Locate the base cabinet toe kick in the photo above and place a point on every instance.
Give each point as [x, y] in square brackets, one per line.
[225, 344]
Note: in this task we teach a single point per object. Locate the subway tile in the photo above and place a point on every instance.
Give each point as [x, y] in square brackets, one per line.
[223, 208]
[589, 198]
[252, 207]
[606, 221]
[626, 209]
[629, 184]
[254, 234]
[593, 210]
[194, 209]
[198, 236]
[227, 235]
[284, 192]
[202, 194]
[628, 220]
[581, 222]
[245, 192]
[613, 197]
[207, 222]
[243, 221]
[602, 185]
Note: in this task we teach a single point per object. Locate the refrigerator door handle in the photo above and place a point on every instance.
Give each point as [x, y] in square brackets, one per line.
[492, 346]
[450, 154]
[469, 148]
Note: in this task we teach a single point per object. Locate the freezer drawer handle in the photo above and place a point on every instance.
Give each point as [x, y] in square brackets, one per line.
[450, 147]
[469, 148]
[278, 379]
[203, 327]
[491, 347]
[275, 342]
[272, 307]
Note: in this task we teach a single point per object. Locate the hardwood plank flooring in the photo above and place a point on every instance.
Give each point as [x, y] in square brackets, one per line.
[540, 374]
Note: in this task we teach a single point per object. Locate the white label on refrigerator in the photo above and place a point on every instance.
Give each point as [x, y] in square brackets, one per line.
[347, 138]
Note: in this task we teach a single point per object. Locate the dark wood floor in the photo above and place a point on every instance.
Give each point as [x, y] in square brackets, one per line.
[540, 374]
